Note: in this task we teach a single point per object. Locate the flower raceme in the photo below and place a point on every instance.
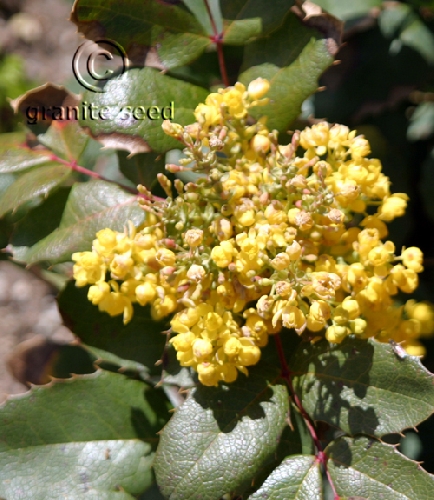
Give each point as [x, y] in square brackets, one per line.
[269, 237]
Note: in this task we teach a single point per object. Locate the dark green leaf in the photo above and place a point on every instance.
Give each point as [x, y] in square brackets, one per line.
[139, 341]
[38, 223]
[104, 359]
[297, 478]
[89, 436]
[246, 20]
[138, 25]
[362, 386]
[219, 439]
[91, 206]
[33, 186]
[134, 116]
[292, 59]
[283, 47]
[365, 468]
[69, 360]
[141, 168]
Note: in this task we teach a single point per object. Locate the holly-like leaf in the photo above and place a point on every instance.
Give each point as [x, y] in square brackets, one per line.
[105, 358]
[132, 118]
[16, 156]
[91, 436]
[140, 340]
[362, 386]
[91, 206]
[38, 223]
[33, 186]
[246, 20]
[39, 106]
[297, 478]
[219, 439]
[65, 138]
[139, 25]
[292, 59]
[364, 468]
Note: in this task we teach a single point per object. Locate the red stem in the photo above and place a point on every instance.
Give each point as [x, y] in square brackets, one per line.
[82, 170]
[287, 376]
[218, 39]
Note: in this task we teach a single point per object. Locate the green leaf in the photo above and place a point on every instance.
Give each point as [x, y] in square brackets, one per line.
[6, 180]
[66, 138]
[297, 478]
[38, 223]
[91, 206]
[283, 47]
[33, 186]
[69, 360]
[246, 20]
[104, 358]
[362, 386]
[134, 116]
[421, 122]
[15, 156]
[201, 12]
[140, 340]
[91, 436]
[400, 22]
[369, 469]
[141, 168]
[392, 18]
[348, 10]
[418, 36]
[138, 25]
[292, 59]
[219, 439]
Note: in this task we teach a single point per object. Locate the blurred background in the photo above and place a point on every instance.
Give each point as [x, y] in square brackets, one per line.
[37, 43]
[383, 87]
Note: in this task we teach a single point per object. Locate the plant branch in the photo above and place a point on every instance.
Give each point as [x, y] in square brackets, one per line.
[217, 38]
[287, 376]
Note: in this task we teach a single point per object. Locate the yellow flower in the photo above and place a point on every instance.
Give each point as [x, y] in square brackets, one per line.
[336, 334]
[394, 206]
[193, 237]
[258, 88]
[223, 253]
[424, 314]
[89, 268]
[412, 258]
[269, 237]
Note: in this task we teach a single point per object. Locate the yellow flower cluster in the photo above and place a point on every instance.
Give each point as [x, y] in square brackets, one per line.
[270, 237]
